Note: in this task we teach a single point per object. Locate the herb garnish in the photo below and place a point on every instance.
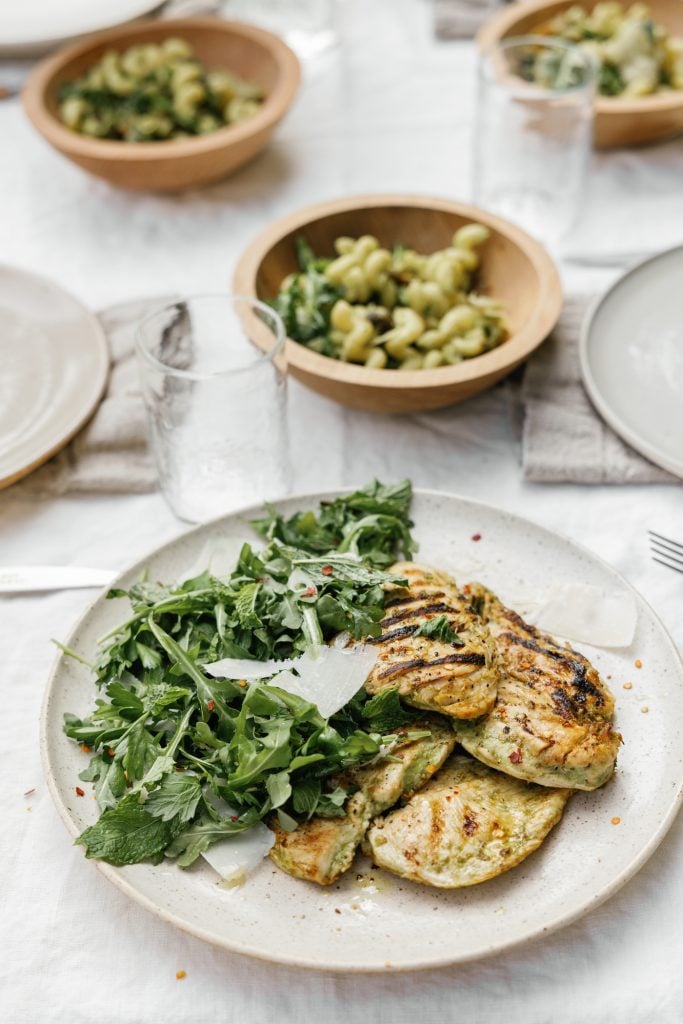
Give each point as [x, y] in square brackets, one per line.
[181, 759]
[439, 628]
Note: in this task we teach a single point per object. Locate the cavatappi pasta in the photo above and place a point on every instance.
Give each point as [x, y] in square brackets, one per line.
[155, 92]
[392, 309]
[636, 55]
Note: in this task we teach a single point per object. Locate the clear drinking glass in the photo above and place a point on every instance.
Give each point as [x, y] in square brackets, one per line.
[309, 26]
[533, 133]
[213, 377]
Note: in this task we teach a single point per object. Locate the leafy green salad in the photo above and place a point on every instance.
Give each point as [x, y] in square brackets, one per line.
[181, 759]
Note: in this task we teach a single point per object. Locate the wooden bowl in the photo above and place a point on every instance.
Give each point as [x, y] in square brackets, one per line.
[182, 163]
[514, 268]
[618, 122]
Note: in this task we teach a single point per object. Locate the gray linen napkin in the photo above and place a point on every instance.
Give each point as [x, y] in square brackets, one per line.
[110, 455]
[564, 440]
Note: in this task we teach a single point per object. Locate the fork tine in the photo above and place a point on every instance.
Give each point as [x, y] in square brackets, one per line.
[668, 556]
[667, 564]
[666, 541]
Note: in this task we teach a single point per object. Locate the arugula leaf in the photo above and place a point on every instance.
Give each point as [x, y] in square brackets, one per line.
[439, 628]
[331, 805]
[192, 842]
[127, 834]
[109, 779]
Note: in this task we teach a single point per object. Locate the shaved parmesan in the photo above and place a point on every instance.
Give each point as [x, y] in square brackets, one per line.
[218, 556]
[577, 611]
[234, 858]
[326, 676]
[329, 677]
[245, 668]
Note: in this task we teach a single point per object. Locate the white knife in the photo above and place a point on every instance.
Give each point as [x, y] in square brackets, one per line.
[17, 579]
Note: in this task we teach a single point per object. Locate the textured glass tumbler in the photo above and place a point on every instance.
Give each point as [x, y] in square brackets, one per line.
[309, 26]
[213, 377]
[533, 133]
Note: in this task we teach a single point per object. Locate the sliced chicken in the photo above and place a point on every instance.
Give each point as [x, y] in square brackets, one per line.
[321, 849]
[457, 677]
[469, 824]
[552, 722]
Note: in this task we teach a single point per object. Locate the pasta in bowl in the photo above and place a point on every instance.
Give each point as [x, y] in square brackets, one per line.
[415, 285]
[164, 105]
[639, 51]
[392, 309]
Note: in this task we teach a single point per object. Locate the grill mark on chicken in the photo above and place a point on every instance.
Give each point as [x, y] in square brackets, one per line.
[450, 659]
[397, 634]
[421, 610]
[393, 602]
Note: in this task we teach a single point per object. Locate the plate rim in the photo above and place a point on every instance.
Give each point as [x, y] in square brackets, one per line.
[38, 44]
[101, 377]
[622, 429]
[562, 920]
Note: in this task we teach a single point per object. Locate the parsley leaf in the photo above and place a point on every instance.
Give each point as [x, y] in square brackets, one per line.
[384, 712]
[439, 628]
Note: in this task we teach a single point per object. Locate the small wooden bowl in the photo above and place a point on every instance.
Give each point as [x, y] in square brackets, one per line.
[182, 163]
[618, 122]
[514, 268]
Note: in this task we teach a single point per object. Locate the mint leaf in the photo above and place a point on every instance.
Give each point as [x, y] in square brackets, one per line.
[384, 712]
[439, 628]
[127, 834]
[245, 605]
[177, 796]
[331, 805]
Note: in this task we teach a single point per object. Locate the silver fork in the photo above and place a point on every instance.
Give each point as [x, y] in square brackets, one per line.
[665, 551]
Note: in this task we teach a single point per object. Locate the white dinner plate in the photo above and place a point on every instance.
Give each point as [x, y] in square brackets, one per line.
[632, 358]
[54, 361]
[29, 26]
[372, 921]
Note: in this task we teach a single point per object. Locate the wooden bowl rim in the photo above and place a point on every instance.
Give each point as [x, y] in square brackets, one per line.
[508, 355]
[499, 26]
[34, 94]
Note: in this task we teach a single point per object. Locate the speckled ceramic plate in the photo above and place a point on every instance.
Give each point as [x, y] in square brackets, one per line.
[372, 921]
[54, 362]
[632, 359]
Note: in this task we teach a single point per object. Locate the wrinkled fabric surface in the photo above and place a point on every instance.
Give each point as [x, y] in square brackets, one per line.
[73, 947]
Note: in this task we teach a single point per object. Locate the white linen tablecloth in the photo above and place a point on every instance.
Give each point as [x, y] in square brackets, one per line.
[391, 110]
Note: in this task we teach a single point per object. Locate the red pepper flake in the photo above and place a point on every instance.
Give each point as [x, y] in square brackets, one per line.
[475, 536]
[327, 570]
[79, 791]
[638, 663]
[210, 704]
[309, 592]
[242, 682]
[337, 910]
[616, 821]
[85, 748]
[111, 751]
[515, 756]
[180, 975]
[234, 817]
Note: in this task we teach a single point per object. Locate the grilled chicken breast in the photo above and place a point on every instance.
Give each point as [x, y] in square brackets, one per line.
[552, 722]
[467, 825]
[458, 680]
[321, 849]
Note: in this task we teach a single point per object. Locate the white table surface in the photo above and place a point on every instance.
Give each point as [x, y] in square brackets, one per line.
[391, 110]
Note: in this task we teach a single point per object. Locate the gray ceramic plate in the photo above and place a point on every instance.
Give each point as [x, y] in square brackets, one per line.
[632, 358]
[372, 921]
[54, 362]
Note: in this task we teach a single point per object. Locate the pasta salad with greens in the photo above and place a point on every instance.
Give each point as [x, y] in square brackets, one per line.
[155, 92]
[392, 308]
[636, 56]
